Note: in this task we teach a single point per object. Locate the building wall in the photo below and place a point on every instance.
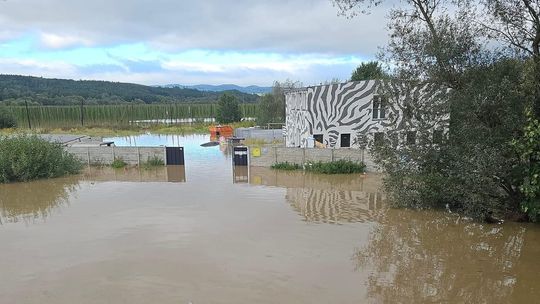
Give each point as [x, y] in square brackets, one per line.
[257, 133]
[106, 155]
[347, 108]
[270, 155]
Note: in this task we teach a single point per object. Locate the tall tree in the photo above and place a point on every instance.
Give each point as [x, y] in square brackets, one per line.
[475, 170]
[368, 71]
[272, 106]
[228, 110]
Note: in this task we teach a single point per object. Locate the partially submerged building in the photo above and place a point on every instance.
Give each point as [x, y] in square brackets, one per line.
[359, 113]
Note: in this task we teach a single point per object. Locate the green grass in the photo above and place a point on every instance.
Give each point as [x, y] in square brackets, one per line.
[286, 166]
[118, 163]
[153, 162]
[24, 158]
[103, 131]
[334, 167]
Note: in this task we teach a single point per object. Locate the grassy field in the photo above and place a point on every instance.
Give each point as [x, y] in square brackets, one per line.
[114, 115]
[126, 130]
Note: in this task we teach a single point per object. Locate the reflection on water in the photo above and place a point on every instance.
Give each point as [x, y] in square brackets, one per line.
[240, 174]
[129, 174]
[267, 236]
[326, 199]
[37, 199]
[418, 257]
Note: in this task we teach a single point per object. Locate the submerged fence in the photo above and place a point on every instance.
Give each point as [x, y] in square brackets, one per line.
[267, 155]
[124, 114]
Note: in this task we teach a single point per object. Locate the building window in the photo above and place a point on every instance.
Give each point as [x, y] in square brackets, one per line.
[437, 137]
[378, 138]
[379, 107]
[345, 140]
[411, 138]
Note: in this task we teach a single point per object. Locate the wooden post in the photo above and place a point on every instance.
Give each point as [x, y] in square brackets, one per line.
[88, 154]
[138, 157]
[332, 154]
[113, 155]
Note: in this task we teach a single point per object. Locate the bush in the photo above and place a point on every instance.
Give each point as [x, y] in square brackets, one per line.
[153, 162]
[286, 166]
[24, 158]
[336, 167]
[118, 163]
[7, 120]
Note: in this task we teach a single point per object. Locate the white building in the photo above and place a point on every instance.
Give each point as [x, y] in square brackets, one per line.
[356, 114]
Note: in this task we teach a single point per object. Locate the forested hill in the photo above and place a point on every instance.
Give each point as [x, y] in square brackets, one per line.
[15, 89]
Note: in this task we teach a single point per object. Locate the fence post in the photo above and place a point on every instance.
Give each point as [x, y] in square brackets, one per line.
[113, 156]
[88, 154]
[332, 154]
[275, 154]
[138, 157]
[303, 156]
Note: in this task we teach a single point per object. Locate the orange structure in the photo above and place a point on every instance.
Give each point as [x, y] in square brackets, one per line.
[219, 130]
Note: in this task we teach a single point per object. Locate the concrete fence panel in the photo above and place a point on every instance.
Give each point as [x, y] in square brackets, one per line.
[106, 155]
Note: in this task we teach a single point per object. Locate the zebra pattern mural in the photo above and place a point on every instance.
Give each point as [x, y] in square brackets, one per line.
[335, 206]
[350, 114]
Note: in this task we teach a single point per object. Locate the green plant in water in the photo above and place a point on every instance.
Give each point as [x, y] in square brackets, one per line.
[336, 167]
[152, 162]
[118, 163]
[286, 166]
[24, 158]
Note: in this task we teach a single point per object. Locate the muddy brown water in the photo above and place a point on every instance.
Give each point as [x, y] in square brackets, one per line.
[210, 233]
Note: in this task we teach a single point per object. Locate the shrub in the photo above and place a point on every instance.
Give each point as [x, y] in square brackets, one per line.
[153, 162]
[24, 158]
[7, 120]
[118, 163]
[336, 167]
[286, 166]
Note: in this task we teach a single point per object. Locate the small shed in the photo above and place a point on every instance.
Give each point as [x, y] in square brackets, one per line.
[219, 130]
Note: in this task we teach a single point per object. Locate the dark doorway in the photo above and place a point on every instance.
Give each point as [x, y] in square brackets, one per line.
[318, 137]
[174, 156]
[345, 140]
[240, 156]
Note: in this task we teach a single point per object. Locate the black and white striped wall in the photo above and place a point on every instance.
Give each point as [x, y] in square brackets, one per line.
[354, 114]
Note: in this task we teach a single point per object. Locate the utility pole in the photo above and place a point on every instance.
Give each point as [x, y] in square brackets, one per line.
[27, 113]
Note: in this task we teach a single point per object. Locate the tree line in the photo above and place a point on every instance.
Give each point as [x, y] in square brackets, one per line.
[16, 90]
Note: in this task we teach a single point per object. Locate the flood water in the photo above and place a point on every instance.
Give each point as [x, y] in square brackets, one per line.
[211, 233]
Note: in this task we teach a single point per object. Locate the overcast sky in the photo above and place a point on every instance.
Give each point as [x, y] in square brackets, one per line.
[186, 41]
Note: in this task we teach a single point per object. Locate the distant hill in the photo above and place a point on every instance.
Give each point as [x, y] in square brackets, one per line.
[252, 89]
[14, 89]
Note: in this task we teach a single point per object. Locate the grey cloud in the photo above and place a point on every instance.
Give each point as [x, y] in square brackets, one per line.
[283, 26]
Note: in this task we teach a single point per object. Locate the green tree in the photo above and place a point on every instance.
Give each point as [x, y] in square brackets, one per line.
[272, 106]
[7, 120]
[476, 170]
[368, 71]
[228, 109]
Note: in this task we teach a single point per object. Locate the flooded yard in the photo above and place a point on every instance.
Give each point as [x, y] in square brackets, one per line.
[211, 233]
